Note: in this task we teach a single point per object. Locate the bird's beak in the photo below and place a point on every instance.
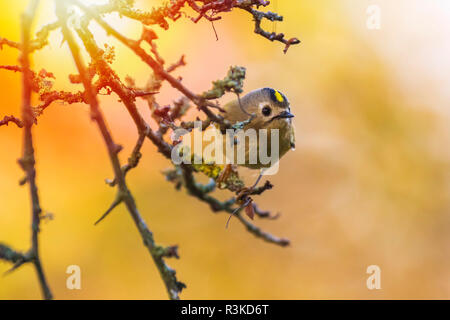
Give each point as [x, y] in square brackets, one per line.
[285, 114]
[282, 115]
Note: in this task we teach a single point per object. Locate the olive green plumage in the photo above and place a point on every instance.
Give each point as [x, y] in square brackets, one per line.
[271, 110]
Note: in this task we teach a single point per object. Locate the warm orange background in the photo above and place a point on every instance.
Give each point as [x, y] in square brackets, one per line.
[367, 184]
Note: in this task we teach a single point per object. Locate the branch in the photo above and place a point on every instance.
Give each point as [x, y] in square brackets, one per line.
[9, 43]
[27, 162]
[217, 206]
[168, 275]
[133, 160]
[258, 16]
[262, 234]
[264, 214]
[8, 119]
[10, 255]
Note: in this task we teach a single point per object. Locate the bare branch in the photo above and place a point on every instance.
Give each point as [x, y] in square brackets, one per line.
[133, 160]
[9, 254]
[27, 162]
[9, 43]
[8, 119]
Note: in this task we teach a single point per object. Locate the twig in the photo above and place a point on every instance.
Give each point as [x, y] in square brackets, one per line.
[262, 234]
[9, 254]
[133, 160]
[258, 16]
[227, 206]
[8, 119]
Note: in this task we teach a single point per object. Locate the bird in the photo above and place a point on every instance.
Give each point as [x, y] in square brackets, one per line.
[263, 108]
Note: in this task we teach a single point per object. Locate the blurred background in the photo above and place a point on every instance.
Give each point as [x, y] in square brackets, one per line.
[369, 181]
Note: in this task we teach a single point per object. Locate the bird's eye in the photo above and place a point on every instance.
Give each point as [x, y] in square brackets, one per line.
[266, 111]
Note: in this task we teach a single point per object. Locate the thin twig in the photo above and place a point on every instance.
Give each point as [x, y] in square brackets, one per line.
[8, 119]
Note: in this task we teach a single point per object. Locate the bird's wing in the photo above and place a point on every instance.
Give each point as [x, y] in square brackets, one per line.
[292, 136]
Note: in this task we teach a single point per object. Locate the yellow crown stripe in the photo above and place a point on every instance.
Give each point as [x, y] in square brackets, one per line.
[279, 96]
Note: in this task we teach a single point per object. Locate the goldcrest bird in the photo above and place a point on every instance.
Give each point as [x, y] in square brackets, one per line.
[268, 109]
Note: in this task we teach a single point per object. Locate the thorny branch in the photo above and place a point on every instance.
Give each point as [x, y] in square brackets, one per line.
[167, 117]
[27, 162]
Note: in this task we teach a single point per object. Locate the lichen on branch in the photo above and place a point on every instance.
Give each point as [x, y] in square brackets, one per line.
[233, 82]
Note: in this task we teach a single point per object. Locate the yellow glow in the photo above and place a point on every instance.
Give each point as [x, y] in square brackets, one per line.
[47, 8]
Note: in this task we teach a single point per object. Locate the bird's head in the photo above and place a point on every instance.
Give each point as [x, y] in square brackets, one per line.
[270, 107]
